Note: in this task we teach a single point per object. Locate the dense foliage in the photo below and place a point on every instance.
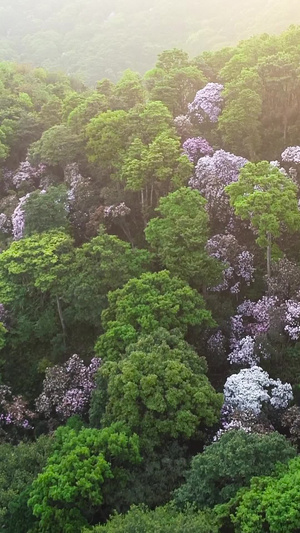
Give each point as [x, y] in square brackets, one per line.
[150, 294]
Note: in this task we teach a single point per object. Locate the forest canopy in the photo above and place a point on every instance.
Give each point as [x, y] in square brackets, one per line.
[149, 295]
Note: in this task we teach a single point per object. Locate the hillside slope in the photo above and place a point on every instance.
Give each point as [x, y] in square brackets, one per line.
[97, 39]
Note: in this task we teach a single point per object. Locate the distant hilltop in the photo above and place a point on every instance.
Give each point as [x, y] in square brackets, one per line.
[95, 39]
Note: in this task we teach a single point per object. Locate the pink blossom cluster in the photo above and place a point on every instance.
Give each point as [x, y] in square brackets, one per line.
[207, 103]
[67, 389]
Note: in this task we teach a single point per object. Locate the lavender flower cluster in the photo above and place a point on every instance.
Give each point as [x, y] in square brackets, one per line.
[67, 389]
[292, 318]
[74, 179]
[237, 261]
[26, 173]
[116, 211]
[18, 218]
[196, 147]
[207, 103]
[291, 155]
[183, 125]
[212, 175]
[217, 343]
[14, 411]
[247, 326]
[5, 223]
[244, 352]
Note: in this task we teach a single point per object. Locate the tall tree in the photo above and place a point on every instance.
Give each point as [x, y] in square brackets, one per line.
[268, 199]
[179, 237]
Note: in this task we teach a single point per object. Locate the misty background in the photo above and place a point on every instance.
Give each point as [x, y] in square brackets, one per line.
[94, 39]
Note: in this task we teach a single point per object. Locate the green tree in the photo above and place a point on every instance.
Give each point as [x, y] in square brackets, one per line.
[159, 390]
[174, 81]
[268, 198]
[150, 120]
[57, 146]
[82, 474]
[89, 278]
[240, 122]
[107, 139]
[272, 503]
[179, 237]
[129, 91]
[51, 112]
[19, 465]
[155, 169]
[32, 274]
[229, 464]
[46, 210]
[156, 300]
[87, 109]
[161, 520]
[280, 82]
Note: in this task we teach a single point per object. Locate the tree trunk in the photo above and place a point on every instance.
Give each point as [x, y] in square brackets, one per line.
[151, 195]
[269, 247]
[285, 128]
[63, 327]
[142, 199]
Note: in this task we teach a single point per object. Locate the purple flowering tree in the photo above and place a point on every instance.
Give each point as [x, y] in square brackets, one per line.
[291, 155]
[28, 175]
[183, 125]
[14, 413]
[67, 389]
[246, 395]
[285, 280]
[207, 104]
[292, 319]
[118, 214]
[117, 211]
[238, 262]
[73, 179]
[252, 388]
[213, 174]
[18, 218]
[244, 352]
[196, 147]
[216, 344]
[291, 160]
[248, 328]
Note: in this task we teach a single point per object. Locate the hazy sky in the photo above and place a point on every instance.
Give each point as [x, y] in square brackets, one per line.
[98, 38]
